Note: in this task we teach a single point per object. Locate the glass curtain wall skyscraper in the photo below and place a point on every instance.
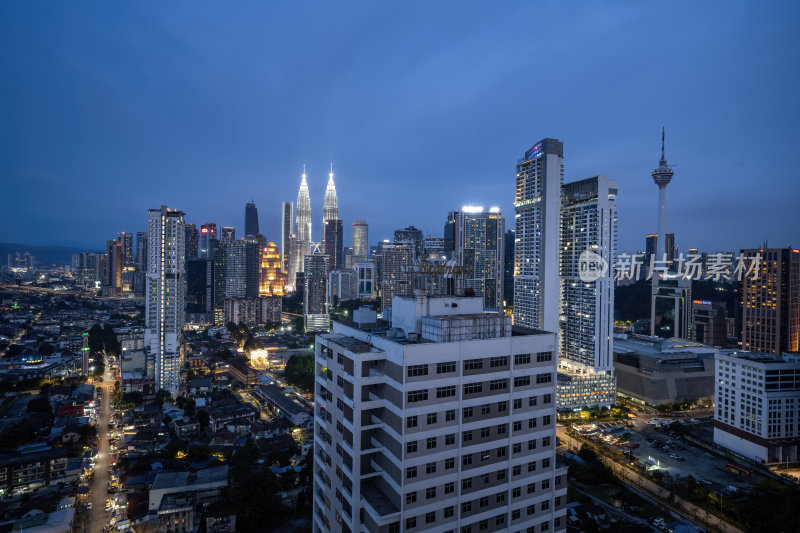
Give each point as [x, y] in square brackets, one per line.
[250, 219]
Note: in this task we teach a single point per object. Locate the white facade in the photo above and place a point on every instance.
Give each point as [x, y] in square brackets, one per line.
[537, 210]
[166, 289]
[586, 324]
[418, 432]
[302, 241]
[342, 284]
[365, 275]
[757, 405]
[236, 269]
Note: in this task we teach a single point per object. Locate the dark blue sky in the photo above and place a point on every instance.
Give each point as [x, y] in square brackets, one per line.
[108, 109]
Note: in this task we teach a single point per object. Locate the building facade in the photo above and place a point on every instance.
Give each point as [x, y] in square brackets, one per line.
[287, 229]
[333, 246]
[315, 296]
[164, 303]
[360, 239]
[365, 275]
[272, 278]
[537, 209]
[396, 263]
[443, 422]
[342, 285]
[410, 235]
[250, 219]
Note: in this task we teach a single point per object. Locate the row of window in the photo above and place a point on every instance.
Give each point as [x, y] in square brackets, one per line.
[486, 455]
[477, 388]
[449, 367]
[469, 412]
[467, 436]
[448, 513]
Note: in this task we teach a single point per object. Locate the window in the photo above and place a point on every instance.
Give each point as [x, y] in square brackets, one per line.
[531, 488]
[545, 526]
[502, 429]
[546, 420]
[466, 460]
[446, 368]
[522, 359]
[502, 452]
[467, 412]
[450, 415]
[500, 519]
[340, 381]
[411, 422]
[547, 398]
[532, 401]
[411, 497]
[558, 501]
[518, 425]
[532, 444]
[339, 404]
[449, 487]
[417, 395]
[430, 492]
[517, 470]
[495, 362]
[473, 388]
[340, 358]
[485, 456]
[485, 432]
[466, 436]
[545, 505]
[498, 384]
[544, 378]
[430, 518]
[516, 493]
[522, 381]
[430, 468]
[483, 525]
[430, 443]
[517, 447]
[466, 507]
[541, 357]
[485, 479]
[449, 463]
[545, 441]
[518, 403]
[515, 514]
[532, 466]
[545, 482]
[449, 439]
[417, 370]
[483, 501]
[473, 364]
[449, 511]
[466, 484]
[446, 392]
[411, 472]
[394, 528]
[502, 407]
[431, 418]
[531, 509]
[532, 423]
[411, 446]
[501, 475]
[485, 409]
[411, 523]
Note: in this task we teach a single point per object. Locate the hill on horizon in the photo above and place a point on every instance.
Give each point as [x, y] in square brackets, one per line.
[61, 255]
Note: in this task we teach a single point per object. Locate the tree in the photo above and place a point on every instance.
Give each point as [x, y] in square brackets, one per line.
[134, 398]
[96, 338]
[299, 371]
[39, 404]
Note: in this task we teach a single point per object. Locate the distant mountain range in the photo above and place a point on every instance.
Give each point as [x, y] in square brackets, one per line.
[61, 255]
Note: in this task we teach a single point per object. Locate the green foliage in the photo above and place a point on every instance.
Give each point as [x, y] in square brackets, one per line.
[40, 404]
[187, 404]
[300, 371]
[132, 398]
[254, 495]
[163, 396]
[299, 325]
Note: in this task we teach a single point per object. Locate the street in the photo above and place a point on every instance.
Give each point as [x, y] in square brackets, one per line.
[98, 517]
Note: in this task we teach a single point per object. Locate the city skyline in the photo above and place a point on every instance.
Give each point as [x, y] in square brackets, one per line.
[79, 136]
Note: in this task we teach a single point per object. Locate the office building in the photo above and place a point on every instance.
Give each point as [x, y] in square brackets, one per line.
[87, 269]
[125, 240]
[710, 322]
[253, 244]
[412, 236]
[365, 274]
[166, 289]
[347, 257]
[434, 247]
[669, 248]
[315, 301]
[757, 398]
[342, 285]
[220, 258]
[253, 311]
[333, 246]
[251, 219]
[508, 269]
[650, 248]
[537, 210]
[141, 251]
[330, 207]
[287, 229]
[770, 301]
[208, 233]
[227, 235]
[360, 239]
[272, 278]
[192, 242]
[302, 243]
[473, 238]
[443, 420]
[586, 324]
[112, 280]
[235, 269]
[200, 291]
[395, 270]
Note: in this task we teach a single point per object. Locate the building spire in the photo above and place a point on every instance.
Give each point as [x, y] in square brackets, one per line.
[664, 159]
[330, 210]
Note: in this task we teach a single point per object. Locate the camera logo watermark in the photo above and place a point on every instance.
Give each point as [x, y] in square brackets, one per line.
[591, 266]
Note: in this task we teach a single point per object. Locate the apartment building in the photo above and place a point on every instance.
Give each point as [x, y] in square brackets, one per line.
[442, 421]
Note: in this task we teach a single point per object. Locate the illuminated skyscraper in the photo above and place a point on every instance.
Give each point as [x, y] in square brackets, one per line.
[302, 243]
[141, 251]
[271, 275]
[164, 303]
[227, 235]
[250, 219]
[473, 237]
[191, 242]
[287, 228]
[360, 240]
[208, 232]
[650, 248]
[330, 208]
[332, 243]
[537, 206]
[411, 235]
[125, 240]
[112, 280]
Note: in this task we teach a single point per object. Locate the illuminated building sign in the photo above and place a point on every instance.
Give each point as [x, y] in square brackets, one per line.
[536, 151]
[701, 302]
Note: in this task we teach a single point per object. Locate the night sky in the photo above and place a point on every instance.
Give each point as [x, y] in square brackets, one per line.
[108, 109]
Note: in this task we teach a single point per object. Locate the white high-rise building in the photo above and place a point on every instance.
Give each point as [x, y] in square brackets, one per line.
[444, 421]
[537, 210]
[166, 289]
[236, 269]
[476, 237]
[588, 240]
[302, 241]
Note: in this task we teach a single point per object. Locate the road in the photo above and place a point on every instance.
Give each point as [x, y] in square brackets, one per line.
[98, 517]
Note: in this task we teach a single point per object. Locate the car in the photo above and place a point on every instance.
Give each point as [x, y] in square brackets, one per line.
[89, 505]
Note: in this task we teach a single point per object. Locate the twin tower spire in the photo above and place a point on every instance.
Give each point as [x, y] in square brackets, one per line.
[330, 208]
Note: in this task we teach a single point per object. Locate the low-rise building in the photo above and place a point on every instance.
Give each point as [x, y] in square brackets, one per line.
[206, 485]
[287, 406]
[663, 371]
[757, 402]
[242, 373]
[27, 471]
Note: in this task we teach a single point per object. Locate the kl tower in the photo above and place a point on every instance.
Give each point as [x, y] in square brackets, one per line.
[662, 176]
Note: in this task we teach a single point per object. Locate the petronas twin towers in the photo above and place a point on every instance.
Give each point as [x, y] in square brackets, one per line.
[302, 241]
